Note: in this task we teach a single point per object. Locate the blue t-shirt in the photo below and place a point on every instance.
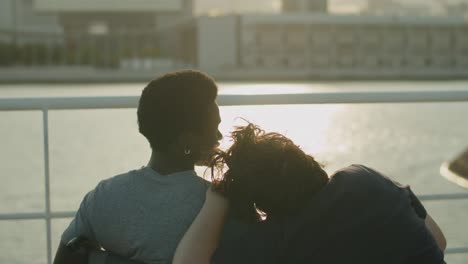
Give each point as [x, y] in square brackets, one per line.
[360, 216]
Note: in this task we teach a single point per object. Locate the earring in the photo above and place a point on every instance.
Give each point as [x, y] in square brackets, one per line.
[187, 151]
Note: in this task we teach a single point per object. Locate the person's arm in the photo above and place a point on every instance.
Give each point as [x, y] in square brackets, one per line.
[419, 209]
[436, 232]
[202, 238]
[78, 237]
[114, 259]
[88, 254]
[431, 225]
[66, 255]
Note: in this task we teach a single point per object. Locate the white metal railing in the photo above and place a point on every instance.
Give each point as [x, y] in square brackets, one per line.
[60, 103]
[63, 103]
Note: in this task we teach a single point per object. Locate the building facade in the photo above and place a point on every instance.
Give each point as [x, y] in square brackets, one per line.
[305, 6]
[115, 16]
[321, 44]
[102, 33]
[304, 41]
[21, 16]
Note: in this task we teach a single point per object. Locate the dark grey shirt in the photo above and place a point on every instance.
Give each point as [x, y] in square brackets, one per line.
[140, 215]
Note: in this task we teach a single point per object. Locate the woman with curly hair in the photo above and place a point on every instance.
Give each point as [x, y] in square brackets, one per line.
[298, 214]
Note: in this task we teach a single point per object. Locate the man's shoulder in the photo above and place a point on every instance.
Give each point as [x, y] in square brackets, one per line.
[120, 178]
[147, 177]
[359, 174]
[355, 170]
[363, 181]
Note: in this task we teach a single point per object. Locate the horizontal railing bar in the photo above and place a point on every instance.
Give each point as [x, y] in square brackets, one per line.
[40, 216]
[457, 250]
[346, 98]
[62, 103]
[444, 196]
[37, 215]
[67, 214]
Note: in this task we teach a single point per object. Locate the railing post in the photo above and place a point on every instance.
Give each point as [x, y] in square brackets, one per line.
[45, 118]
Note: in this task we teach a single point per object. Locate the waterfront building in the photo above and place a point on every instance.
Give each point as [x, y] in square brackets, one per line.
[306, 6]
[337, 45]
[22, 16]
[304, 41]
[19, 22]
[115, 16]
[98, 33]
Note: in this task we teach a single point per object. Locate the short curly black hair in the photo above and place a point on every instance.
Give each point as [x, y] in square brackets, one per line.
[267, 175]
[174, 103]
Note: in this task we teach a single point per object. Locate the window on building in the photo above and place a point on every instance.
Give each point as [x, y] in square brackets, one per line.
[98, 28]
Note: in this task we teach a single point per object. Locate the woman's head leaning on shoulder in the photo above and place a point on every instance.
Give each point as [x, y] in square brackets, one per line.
[267, 175]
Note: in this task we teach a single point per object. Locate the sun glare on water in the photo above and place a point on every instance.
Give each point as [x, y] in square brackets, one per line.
[306, 125]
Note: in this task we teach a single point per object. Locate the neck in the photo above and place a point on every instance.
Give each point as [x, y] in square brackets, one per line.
[165, 164]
